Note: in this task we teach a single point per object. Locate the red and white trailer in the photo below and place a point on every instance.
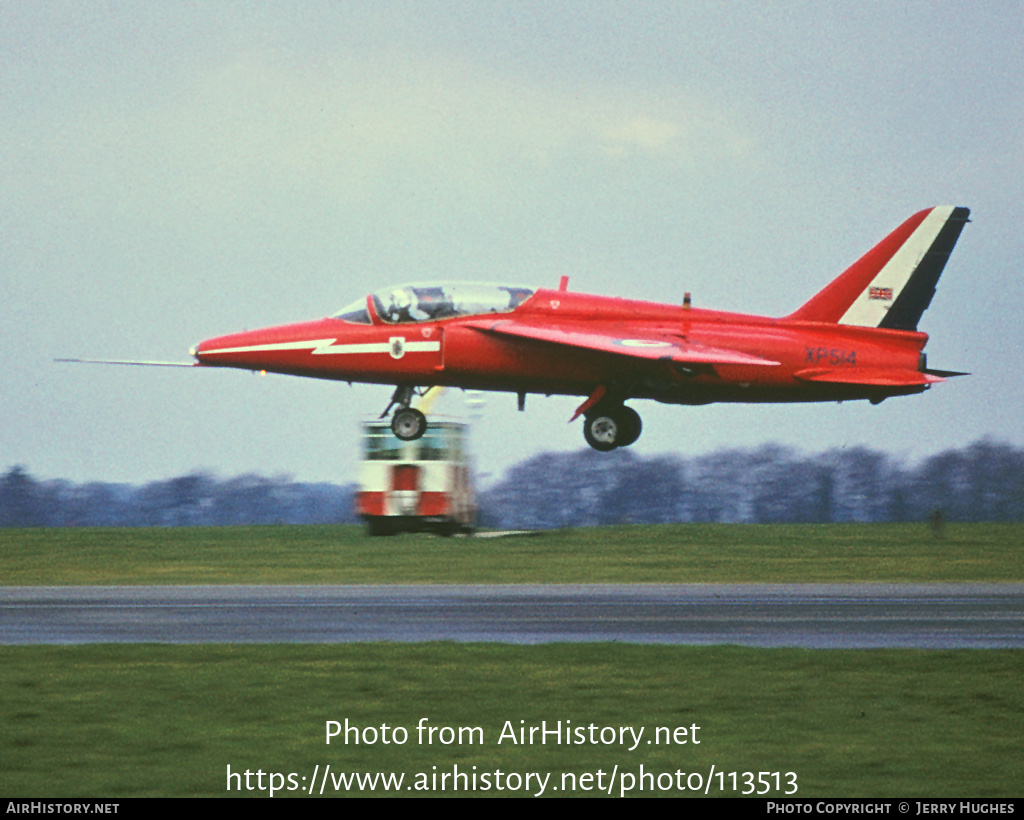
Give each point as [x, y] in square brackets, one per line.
[413, 486]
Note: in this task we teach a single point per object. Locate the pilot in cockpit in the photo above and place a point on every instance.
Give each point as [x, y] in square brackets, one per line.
[400, 307]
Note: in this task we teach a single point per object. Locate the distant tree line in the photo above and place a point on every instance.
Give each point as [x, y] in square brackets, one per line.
[983, 482]
[191, 500]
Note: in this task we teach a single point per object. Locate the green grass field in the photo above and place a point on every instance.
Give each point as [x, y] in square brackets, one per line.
[117, 721]
[628, 554]
[125, 721]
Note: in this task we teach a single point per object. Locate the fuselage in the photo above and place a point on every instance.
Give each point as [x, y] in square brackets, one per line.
[811, 361]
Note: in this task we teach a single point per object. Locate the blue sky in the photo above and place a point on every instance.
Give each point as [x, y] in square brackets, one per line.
[172, 172]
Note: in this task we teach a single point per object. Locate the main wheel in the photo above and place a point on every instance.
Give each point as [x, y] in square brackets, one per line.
[611, 427]
[629, 421]
[602, 431]
[408, 423]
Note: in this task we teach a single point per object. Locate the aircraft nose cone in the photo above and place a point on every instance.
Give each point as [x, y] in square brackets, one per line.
[196, 352]
[199, 351]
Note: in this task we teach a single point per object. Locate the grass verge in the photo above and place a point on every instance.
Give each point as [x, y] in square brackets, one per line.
[149, 720]
[671, 553]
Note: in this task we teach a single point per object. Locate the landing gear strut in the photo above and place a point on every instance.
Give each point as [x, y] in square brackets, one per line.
[608, 427]
[407, 423]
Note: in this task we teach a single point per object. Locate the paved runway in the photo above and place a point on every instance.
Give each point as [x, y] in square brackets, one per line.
[804, 615]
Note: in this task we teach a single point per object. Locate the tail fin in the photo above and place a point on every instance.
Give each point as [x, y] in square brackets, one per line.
[892, 284]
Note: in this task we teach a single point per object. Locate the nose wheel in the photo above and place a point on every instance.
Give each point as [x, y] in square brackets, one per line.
[606, 428]
[408, 423]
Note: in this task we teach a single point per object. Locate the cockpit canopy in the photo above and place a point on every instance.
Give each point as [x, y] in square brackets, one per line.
[430, 302]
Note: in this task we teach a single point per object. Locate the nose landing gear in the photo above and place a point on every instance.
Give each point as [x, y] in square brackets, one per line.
[407, 423]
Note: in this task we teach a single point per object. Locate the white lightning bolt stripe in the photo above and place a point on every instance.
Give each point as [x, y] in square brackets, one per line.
[377, 347]
[310, 344]
[321, 347]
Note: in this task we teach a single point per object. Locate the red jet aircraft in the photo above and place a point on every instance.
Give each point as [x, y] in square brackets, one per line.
[855, 339]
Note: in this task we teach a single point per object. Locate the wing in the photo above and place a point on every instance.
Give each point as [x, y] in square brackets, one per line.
[640, 344]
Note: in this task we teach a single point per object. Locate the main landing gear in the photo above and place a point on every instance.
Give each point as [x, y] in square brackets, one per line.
[407, 423]
[611, 426]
